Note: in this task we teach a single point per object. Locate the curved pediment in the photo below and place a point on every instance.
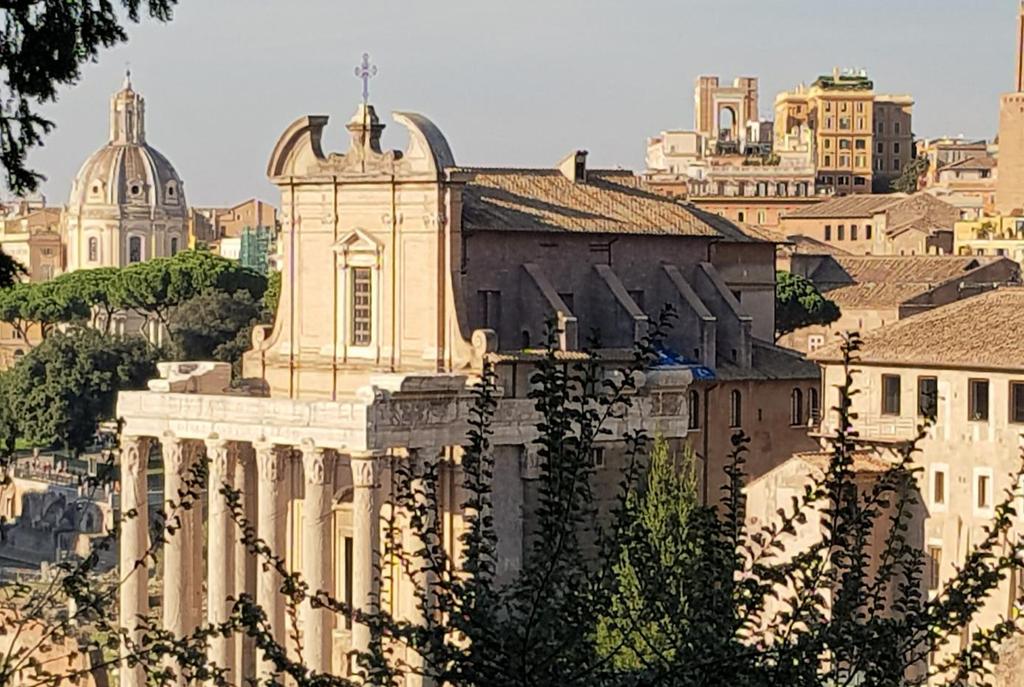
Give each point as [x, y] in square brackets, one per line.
[428, 149]
[299, 142]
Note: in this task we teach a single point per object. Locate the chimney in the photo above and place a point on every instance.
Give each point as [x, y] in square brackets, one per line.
[574, 167]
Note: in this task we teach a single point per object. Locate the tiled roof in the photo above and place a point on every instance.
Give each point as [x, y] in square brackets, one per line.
[864, 460]
[888, 281]
[614, 202]
[769, 361]
[855, 206]
[979, 162]
[975, 333]
[920, 211]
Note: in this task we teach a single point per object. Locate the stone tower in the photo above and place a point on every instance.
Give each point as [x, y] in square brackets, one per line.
[1010, 182]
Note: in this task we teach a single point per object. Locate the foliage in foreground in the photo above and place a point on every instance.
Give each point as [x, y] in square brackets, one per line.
[661, 591]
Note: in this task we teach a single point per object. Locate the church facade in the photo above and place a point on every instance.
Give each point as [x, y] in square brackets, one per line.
[403, 274]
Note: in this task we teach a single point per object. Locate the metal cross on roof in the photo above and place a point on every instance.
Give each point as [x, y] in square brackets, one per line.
[366, 71]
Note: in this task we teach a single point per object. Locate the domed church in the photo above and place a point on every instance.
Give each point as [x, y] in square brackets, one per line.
[127, 203]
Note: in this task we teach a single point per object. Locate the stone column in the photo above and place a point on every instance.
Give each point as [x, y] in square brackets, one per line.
[134, 541]
[270, 527]
[220, 553]
[179, 614]
[423, 460]
[365, 546]
[244, 565]
[317, 623]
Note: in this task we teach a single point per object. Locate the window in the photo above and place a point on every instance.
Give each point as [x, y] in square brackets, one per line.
[741, 216]
[828, 160]
[983, 488]
[490, 309]
[135, 249]
[828, 232]
[813, 404]
[927, 397]
[828, 144]
[780, 189]
[896, 165]
[828, 122]
[94, 249]
[1016, 401]
[896, 130]
[896, 148]
[890, 395]
[939, 491]
[170, 191]
[853, 230]
[867, 231]
[843, 107]
[860, 144]
[174, 245]
[844, 122]
[977, 400]
[844, 160]
[880, 148]
[840, 232]
[844, 144]
[693, 410]
[934, 567]
[362, 303]
[597, 457]
[735, 409]
[796, 408]
[135, 189]
[814, 342]
[762, 217]
[860, 106]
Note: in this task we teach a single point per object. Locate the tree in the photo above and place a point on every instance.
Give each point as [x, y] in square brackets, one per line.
[798, 303]
[95, 288]
[657, 622]
[155, 287]
[46, 42]
[909, 180]
[44, 304]
[10, 270]
[60, 391]
[208, 326]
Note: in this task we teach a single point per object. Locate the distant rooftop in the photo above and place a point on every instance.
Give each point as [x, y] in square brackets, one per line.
[974, 333]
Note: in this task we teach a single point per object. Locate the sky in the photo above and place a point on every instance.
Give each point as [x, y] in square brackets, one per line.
[510, 83]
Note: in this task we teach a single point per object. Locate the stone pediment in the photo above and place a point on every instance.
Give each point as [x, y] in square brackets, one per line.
[358, 248]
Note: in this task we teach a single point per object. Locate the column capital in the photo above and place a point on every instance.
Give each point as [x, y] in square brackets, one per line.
[221, 453]
[134, 453]
[365, 468]
[268, 461]
[317, 462]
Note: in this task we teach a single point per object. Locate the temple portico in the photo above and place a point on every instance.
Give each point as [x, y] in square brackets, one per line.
[331, 458]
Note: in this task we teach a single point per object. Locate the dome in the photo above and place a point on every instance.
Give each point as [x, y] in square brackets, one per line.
[127, 171]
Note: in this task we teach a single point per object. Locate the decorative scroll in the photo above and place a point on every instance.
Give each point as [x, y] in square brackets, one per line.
[268, 462]
[365, 471]
[317, 462]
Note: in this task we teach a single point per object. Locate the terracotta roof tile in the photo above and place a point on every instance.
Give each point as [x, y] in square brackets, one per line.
[853, 206]
[888, 281]
[615, 202]
[974, 333]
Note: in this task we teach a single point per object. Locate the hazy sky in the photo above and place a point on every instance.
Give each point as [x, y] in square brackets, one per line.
[513, 82]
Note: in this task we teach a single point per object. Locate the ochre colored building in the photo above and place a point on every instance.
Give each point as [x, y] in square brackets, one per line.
[862, 140]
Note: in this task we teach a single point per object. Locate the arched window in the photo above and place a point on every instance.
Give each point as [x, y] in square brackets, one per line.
[135, 249]
[693, 409]
[94, 249]
[814, 405]
[174, 245]
[735, 409]
[796, 407]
